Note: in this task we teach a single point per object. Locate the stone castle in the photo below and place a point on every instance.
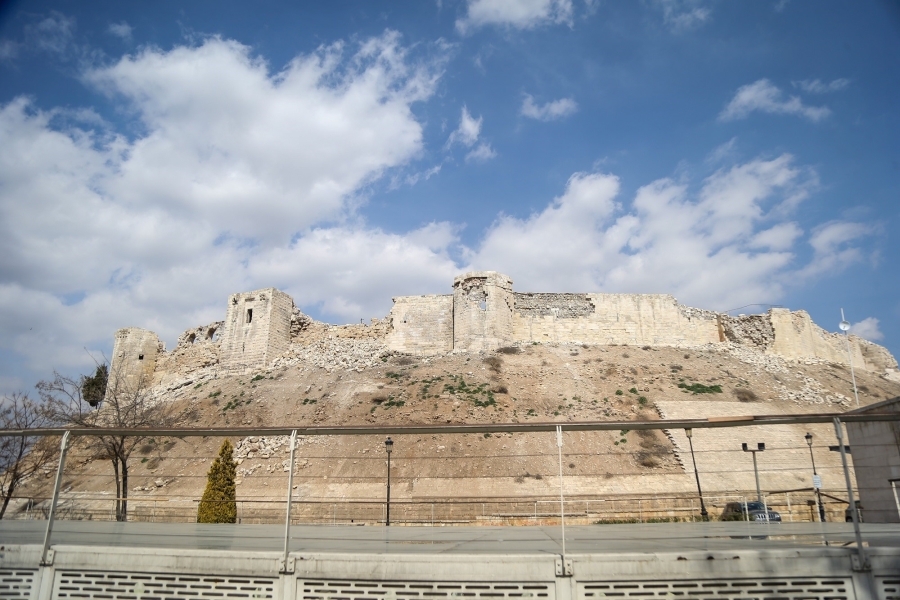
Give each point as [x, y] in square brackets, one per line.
[481, 315]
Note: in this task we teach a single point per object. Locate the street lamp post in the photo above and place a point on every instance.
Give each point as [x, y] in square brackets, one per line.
[817, 483]
[690, 434]
[388, 445]
[845, 327]
[760, 447]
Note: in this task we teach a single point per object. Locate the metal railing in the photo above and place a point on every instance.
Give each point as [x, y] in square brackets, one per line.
[524, 510]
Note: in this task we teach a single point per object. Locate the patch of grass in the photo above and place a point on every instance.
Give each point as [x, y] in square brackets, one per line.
[642, 400]
[215, 394]
[619, 393]
[392, 375]
[309, 401]
[509, 350]
[258, 377]
[633, 390]
[391, 402]
[699, 388]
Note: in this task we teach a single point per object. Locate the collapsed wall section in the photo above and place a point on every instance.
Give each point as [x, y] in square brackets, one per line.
[197, 348]
[134, 358]
[634, 319]
[257, 329]
[422, 324]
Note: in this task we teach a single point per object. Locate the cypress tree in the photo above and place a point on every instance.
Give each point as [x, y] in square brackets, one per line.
[218, 502]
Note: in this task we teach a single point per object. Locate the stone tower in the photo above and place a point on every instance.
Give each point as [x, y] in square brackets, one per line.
[482, 311]
[257, 329]
[133, 360]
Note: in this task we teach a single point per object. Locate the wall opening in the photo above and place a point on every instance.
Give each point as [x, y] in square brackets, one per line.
[192, 338]
[140, 357]
[482, 305]
[249, 315]
[211, 334]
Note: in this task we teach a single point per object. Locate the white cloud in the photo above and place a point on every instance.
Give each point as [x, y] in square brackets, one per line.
[867, 329]
[724, 245]
[722, 152]
[684, 15]
[121, 30]
[778, 237]
[53, 33]
[468, 131]
[816, 86]
[259, 154]
[549, 111]
[518, 14]
[833, 249]
[236, 164]
[482, 153]
[763, 96]
[467, 134]
[8, 50]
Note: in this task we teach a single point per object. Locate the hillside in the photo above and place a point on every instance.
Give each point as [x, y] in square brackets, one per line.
[342, 381]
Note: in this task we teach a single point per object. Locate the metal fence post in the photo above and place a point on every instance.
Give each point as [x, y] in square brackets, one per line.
[63, 448]
[863, 556]
[290, 491]
[562, 508]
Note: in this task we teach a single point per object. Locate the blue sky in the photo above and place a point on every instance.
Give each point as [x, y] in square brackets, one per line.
[156, 159]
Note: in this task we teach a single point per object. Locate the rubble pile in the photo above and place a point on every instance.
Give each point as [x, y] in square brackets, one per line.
[262, 446]
[335, 353]
[812, 392]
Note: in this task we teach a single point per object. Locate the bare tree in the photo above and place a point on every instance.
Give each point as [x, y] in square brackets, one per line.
[22, 456]
[127, 404]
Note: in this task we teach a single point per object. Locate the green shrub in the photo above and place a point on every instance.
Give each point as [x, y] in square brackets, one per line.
[699, 388]
[217, 505]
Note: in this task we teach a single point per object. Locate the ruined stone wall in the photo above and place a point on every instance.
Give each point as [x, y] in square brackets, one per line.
[257, 329]
[755, 331]
[482, 311]
[634, 319]
[134, 358]
[197, 348]
[421, 325]
[796, 336]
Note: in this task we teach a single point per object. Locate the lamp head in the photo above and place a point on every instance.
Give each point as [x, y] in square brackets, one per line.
[744, 447]
[689, 432]
[761, 446]
[389, 445]
[808, 438]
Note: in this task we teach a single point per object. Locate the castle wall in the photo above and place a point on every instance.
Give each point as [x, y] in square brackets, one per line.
[422, 324]
[634, 319]
[482, 311]
[796, 336]
[257, 329]
[134, 358]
